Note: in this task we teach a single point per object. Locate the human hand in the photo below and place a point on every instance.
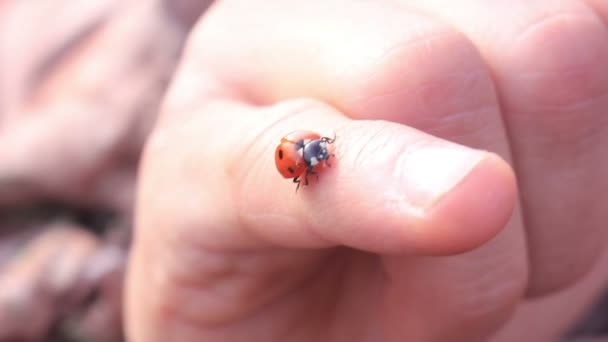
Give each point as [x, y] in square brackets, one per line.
[224, 248]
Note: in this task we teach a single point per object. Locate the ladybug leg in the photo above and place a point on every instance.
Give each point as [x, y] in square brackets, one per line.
[309, 171]
[297, 181]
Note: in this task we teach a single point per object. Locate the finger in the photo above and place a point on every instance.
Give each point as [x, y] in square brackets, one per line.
[413, 69]
[391, 189]
[411, 66]
[554, 101]
[584, 301]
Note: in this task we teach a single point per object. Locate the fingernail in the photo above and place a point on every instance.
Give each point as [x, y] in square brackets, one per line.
[428, 172]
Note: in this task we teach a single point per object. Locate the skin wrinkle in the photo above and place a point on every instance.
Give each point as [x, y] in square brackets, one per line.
[499, 106]
[580, 69]
[365, 152]
[188, 213]
[581, 214]
[369, 94]
[579, 137]
[574, 87]
[547, 20]
[580, 146]
[577, 143]
[464, 122]
[186, 263]
[333, 258]
[303, 284]
[462, 81]
[240, 270]
[488, 297]
[423, 122]
[370, 145]
[430, 97]
[490, 294]
[577, 77]
[576, 108]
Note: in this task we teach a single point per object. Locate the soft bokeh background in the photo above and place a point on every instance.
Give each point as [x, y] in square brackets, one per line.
[81, 82]
[80, 86]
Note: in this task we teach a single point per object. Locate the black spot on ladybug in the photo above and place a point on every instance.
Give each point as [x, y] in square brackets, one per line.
[291, 170]
[280, 154]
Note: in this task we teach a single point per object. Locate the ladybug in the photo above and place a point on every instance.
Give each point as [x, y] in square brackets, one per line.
[302, 153]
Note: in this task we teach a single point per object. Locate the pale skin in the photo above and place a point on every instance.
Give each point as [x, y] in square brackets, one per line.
[469, 176]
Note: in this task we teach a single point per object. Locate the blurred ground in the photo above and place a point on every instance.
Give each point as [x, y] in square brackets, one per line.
[80, 87]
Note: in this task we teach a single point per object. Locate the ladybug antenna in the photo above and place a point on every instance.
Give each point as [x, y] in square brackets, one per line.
[329, 140]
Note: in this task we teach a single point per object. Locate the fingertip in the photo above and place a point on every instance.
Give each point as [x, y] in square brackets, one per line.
[394, 190]
[472, 213]
[390, 189]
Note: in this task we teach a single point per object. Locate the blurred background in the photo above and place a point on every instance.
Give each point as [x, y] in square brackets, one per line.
[80, 87]
[81, 82]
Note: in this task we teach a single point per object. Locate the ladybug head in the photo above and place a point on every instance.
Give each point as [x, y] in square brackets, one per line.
[317, 151]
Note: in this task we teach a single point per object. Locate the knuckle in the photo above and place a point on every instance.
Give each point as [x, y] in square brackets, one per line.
[437, 81]
[557, 62]
[492, 297]
[491, 301]
[187, 279]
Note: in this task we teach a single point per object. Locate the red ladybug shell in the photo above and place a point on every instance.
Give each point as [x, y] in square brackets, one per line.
[289, 161]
